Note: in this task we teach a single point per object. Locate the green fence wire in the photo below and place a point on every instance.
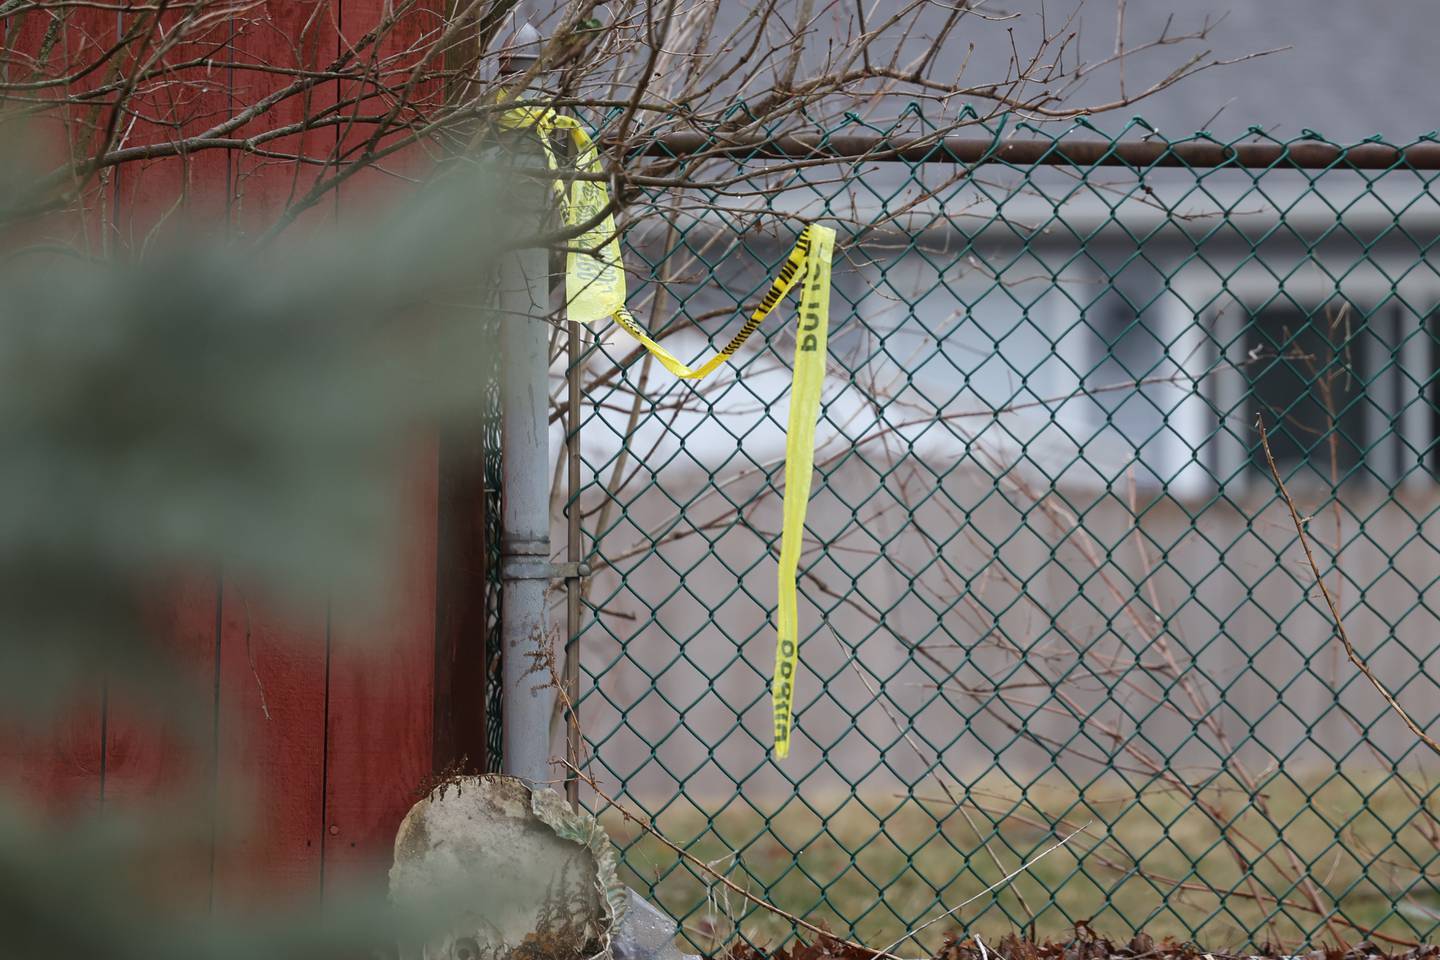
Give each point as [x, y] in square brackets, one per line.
[1048, 586]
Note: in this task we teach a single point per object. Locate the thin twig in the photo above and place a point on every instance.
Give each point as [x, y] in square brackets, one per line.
[1335, 617]
[994, 886]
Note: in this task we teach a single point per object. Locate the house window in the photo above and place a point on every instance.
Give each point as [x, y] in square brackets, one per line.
[1142, 355]
[1323, 380]
[985, 345]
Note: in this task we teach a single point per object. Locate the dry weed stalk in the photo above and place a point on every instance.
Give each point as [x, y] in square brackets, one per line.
[649, 827]
[1337, 619]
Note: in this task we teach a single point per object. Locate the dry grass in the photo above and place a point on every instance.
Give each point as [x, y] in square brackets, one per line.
[1148, 861]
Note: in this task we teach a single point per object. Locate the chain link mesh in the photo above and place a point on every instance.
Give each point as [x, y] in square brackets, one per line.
[492, 468]
[1048, 586]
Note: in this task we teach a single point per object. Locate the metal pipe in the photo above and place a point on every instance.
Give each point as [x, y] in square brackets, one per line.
[528, 694]
[528, 697]
[1038, 152]
[525, 571]
[572, 556]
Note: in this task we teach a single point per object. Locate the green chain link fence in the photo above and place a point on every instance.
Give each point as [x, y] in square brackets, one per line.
[1048, 586]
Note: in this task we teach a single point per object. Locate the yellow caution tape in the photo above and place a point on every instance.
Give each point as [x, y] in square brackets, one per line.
[806, 380]
[595, 289]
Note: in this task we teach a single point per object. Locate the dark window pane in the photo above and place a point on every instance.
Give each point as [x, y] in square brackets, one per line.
[1306, 378]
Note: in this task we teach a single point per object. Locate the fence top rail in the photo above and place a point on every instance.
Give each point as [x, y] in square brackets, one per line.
[1302, 155]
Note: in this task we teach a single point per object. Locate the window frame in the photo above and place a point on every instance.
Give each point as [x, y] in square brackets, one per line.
[1223, 300]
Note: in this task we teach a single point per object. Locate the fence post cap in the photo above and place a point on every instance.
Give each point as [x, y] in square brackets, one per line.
[521, 49]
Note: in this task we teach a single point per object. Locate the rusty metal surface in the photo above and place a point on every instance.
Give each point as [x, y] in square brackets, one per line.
[1064, 152]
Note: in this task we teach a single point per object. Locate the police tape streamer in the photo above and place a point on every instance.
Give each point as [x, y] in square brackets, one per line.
[595, 290]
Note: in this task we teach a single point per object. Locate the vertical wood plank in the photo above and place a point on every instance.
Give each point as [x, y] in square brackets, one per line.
[272, 663]
[164, 198]
[380, 723]
[146, 757]
[60, 766]
[160, 753]
[56, 767]
[164, 762]
[379, 726]
[461, 594]
[55, 42]
[285, 40]
[272, 744]
[402, 88]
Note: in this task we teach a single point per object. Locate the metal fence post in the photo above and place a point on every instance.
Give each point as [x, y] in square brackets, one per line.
[528, 695]
[575, 358]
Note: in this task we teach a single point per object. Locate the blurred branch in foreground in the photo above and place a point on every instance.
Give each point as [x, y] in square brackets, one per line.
[209, 408]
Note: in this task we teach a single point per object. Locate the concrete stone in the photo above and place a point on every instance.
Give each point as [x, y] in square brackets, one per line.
[508, 884]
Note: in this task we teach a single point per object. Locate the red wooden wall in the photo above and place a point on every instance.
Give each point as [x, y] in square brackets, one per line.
[324, 731]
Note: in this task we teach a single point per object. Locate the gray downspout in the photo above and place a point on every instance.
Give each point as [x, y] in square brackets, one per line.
[528, 694]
